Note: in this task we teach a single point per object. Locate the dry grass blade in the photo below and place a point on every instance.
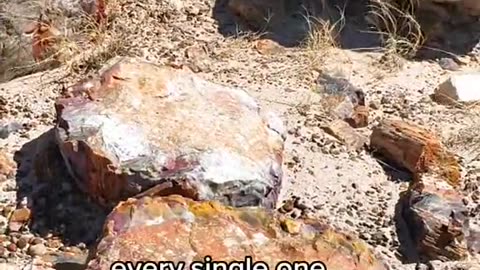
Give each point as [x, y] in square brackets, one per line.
[323, 34]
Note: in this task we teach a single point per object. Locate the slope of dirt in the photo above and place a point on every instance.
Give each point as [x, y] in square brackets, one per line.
[353, 191]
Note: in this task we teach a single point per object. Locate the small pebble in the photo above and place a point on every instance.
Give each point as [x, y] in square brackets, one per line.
[22, 242]
[12, 247]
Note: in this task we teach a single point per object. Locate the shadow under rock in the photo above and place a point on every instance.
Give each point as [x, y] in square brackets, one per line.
[407, 247]
[58, 207]
[290, 22]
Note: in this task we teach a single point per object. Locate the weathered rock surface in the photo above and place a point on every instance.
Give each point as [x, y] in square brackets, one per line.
[460, 87]
[438, 220]
[433, 209]
[177, 229]
[140, 125]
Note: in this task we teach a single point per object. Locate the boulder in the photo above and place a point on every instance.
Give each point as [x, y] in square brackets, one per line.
[460, 87]
[178, 229]
[140, 126]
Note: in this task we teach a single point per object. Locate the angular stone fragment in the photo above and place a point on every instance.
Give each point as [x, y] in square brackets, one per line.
[140, 125]
[345, 133]
[267, 47]
[344, 100]
[460, 87]
[432, 208]
[437, 219]
[359, 118]
[178, 229]
[19, 218]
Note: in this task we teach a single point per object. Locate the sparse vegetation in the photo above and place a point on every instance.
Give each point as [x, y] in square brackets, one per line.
[398, 27]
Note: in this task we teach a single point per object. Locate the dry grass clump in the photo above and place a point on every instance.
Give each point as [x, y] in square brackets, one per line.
[323, 33]
[41, 37]
[399, 30]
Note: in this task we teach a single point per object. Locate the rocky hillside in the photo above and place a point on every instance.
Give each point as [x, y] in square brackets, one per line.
[298, 130]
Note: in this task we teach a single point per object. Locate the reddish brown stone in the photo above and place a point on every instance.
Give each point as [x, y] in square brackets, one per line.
[12, 247]
[416, 149]
[178, 229]
[267, 47]
[359, 118]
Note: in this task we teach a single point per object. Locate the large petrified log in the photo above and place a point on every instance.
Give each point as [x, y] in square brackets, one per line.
[415, 149]
[432, 207]
[141, 125]
[178, 229]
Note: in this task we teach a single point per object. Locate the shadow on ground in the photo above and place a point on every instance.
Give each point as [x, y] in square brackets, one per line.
[58, 207]
[287, 22]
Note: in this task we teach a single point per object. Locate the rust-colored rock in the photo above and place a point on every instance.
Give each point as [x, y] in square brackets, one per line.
[267, 47]
[432, 208]
[359, 117]
[178, 229]
[345, 133]
[141, 125]
[416, 149]
[44, 36]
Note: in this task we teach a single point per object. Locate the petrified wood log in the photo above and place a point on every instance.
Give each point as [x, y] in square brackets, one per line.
[178, 229]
